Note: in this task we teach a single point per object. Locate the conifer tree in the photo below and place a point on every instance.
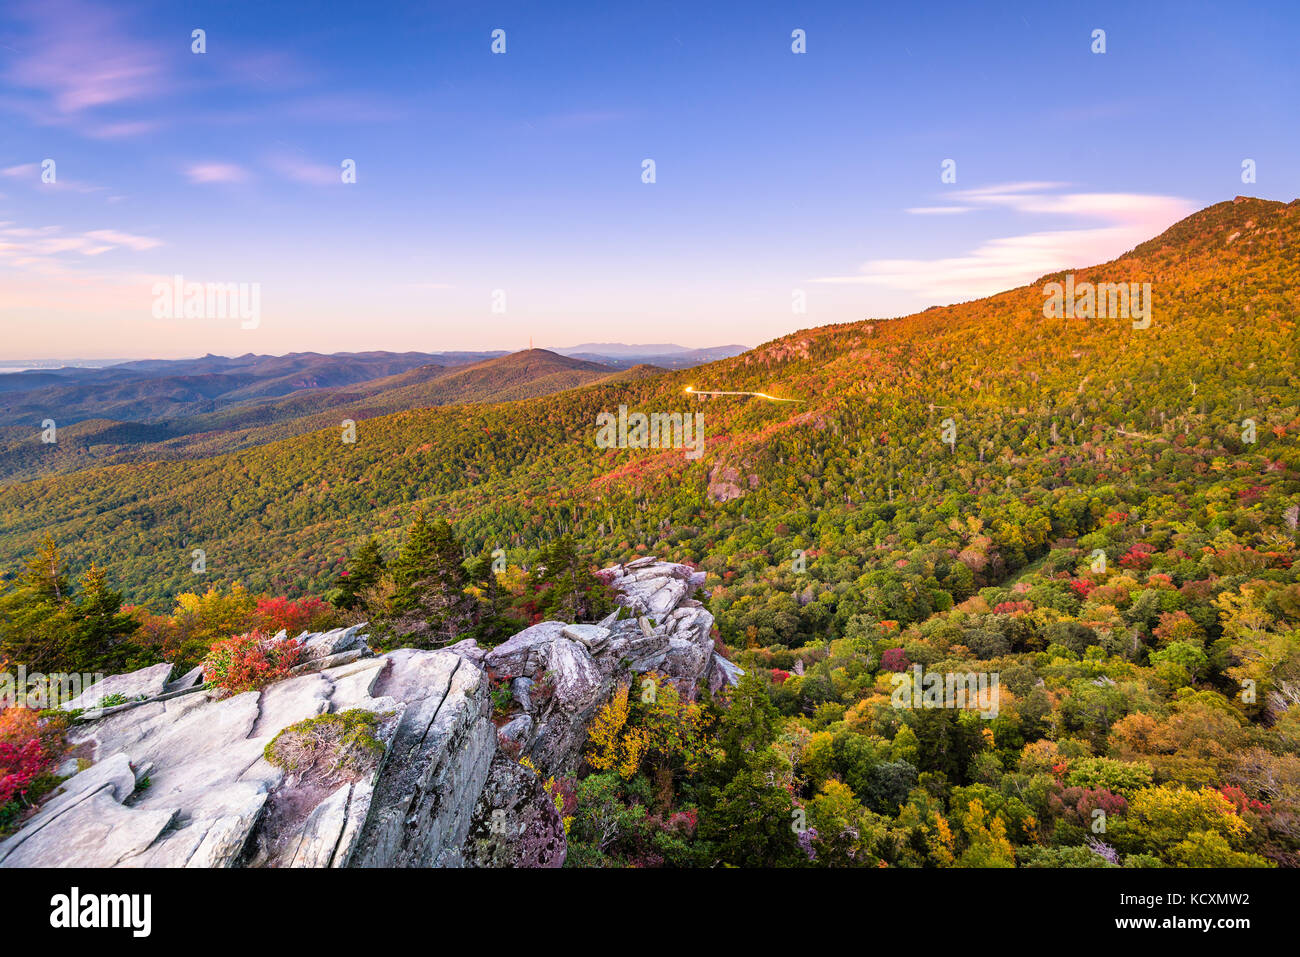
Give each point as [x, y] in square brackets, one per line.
[495, 624]
[100, 632]
[565, 586]
[364, 572]
[750, 724]
[46, 628]
[35, 614]
[429, 606]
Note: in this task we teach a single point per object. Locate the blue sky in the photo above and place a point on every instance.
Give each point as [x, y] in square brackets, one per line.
[522, 172]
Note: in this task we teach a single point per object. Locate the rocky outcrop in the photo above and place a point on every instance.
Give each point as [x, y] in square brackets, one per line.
[177, 777]
[566, 672]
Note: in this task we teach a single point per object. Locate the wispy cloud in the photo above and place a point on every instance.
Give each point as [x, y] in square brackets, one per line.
[30, 173]
[129, 240]
[305, 171]
[117, 131]
[48, 249]
[216, 173]
[77, 57]
[1125, 220]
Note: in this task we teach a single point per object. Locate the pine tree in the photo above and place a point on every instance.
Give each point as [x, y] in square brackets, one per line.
[750, 724]
[363, 572]
[100, 633]
[751, 823]
[36, 615]
[45, 576]
[429, 606]
[565, 586]
[494, 624]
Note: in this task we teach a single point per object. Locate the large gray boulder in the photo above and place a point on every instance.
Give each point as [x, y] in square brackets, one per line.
[183, 782]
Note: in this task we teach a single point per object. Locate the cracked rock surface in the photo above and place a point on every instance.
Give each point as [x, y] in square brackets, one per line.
[178, 777]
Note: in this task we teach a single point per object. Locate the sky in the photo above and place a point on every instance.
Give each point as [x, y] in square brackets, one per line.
[502, 196]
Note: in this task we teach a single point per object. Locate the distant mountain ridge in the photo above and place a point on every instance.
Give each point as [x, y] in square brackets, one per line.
[623, 349]
[666, 355]
[151, 390]
[237, 409]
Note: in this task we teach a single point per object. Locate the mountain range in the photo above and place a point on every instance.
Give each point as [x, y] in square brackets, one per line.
[166, 408]
[1033, 404]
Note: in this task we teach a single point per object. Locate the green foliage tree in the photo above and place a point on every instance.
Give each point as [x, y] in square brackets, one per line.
[564, 586]
[429, 606]
[364, 572]
[36, 613]
[752, 823]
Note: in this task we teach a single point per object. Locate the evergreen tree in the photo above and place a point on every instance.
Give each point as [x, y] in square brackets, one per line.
[36, 614]
[429, 606]
[750, 724]
[99, 638]
[364, 571]
[45, 575]
[752, 821]
[565, 587]
[495, 624]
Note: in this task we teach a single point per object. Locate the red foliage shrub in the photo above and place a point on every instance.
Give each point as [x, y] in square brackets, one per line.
[779, 676]
[1249, 496]
[1243, 803]
[894, 659]
[1082, 586]
[1139, 555]
[1077, 804]
[250, 661]
[683, 822]
[28, 747]
[1013, 607]
[274, 614]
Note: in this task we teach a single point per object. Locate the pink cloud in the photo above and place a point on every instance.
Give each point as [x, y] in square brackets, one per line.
[79, 58]
[44, 250]
[304, 171]
[216, 173]
[995, 265]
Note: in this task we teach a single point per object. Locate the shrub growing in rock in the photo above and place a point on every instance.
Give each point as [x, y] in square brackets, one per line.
[327, 743]
[250, 661]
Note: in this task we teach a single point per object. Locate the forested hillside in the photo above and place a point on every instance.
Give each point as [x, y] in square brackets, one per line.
[1048, 413]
